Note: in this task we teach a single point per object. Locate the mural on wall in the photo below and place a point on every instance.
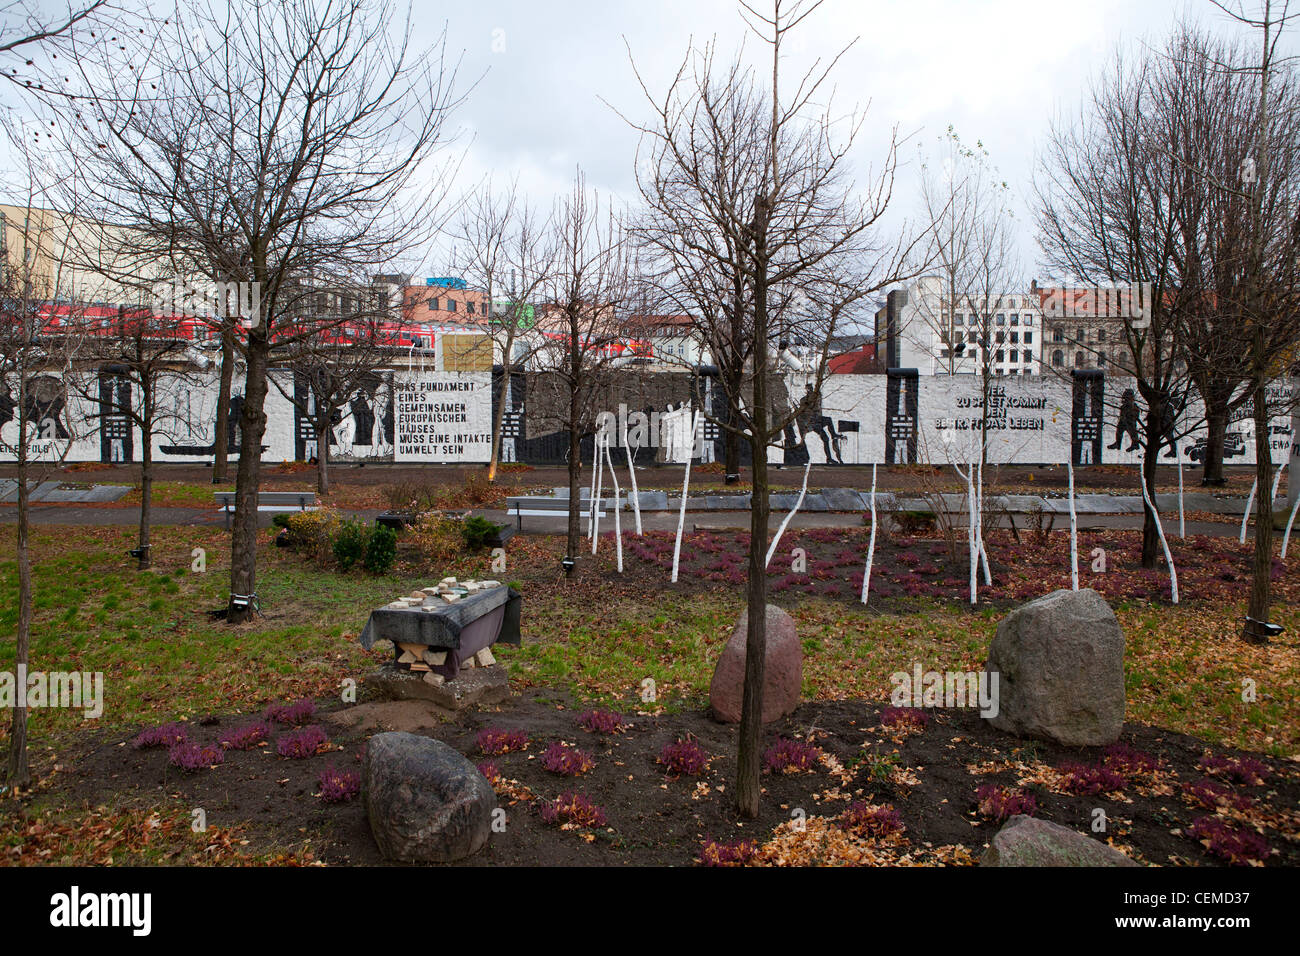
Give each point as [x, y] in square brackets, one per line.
[441, 417]
[447, 417]
[363, 427]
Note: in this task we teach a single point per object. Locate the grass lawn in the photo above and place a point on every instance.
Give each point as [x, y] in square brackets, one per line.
[164, 657]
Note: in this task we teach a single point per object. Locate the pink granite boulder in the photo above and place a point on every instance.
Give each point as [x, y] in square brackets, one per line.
[782, 675]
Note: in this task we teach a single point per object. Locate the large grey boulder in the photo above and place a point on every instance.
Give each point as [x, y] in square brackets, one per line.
[1060, 666]
[782, 669]
[1027, 841]
[426, 802]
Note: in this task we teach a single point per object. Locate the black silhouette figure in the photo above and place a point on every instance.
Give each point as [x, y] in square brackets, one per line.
[1128, 421]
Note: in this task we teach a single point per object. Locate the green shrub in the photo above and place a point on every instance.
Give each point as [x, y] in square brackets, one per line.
[312, 532]
[350, 544]
[437, 540]
[281, 521]
[381, 550]
[477, 530]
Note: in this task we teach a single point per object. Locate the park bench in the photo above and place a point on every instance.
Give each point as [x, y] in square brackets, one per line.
[272, 501]
[549, 507]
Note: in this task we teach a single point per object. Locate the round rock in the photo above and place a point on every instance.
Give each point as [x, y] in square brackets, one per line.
[426, 803]
[782, 670]
[1028, 841]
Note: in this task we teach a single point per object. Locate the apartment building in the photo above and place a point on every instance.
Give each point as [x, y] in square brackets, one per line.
[936, 333]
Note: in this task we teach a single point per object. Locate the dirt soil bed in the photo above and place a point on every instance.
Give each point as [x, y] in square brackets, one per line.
[930, 776]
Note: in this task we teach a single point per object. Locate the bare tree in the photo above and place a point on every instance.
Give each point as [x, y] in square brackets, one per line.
[501, 241]
[588, 289]
[283, 141]
[1110, 215]
[1266, 302]
[338, 349]
[27, 31]
[39, 342]
[139, 355]
[755, 227]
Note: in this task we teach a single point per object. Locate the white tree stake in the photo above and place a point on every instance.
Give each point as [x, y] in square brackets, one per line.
[618, 506]
[1290, 521]
[1160, 530]
[1245, 517]
[1074, 531]
[631, 470]
[871, 544]
[591, 496]
[979, 525]
[781, 530]
[1182, 524]
[600, 490]
[686, 483]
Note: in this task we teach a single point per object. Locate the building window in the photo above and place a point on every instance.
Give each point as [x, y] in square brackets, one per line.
[1015, 318]
[957, 319]
[1101, 360]
[1015, 338]
[1015, 355]
[970, 337]
[469, 307]
[999, 356]
[1078, 360]
[1058, 358]
[1058, 335]
[1101, 335]
[451, 305]
[1001, 337]
[433, 305]
[1029, 320]
[1029, 338]
[1002, 319]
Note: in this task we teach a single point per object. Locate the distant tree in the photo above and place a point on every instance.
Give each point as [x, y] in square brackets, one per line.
[753, 226]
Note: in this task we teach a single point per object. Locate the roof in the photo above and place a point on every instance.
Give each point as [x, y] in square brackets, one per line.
[860, 361]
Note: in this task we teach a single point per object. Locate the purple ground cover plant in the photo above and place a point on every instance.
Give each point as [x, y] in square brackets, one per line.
[246, 737]
[296, 713]
[300, 743]
[560, 758]
[790, 756]
[904, 718]
[570, 810]
[998, 803]
[339, 786]
[683, 758]
[191, 756]
[1210, 795]
[872, 822]
[602, 722]
[1232, 844]
[165, 736]
[736, 853]
[1129, 762]
[1246, 770]
[495, 741]
[1083, 780]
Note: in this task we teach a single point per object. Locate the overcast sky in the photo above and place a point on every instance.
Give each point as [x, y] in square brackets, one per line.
[548, 78]
[996, 70]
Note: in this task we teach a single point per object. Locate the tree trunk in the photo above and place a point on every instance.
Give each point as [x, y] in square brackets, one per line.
[1262, 568]
[220, 444]
[748, 761]
[18, 774]
[1216, 429]
[1150, 455]
[243, 544]
[575, 492]
[146, 474]
[322, 426]
[500, 415]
